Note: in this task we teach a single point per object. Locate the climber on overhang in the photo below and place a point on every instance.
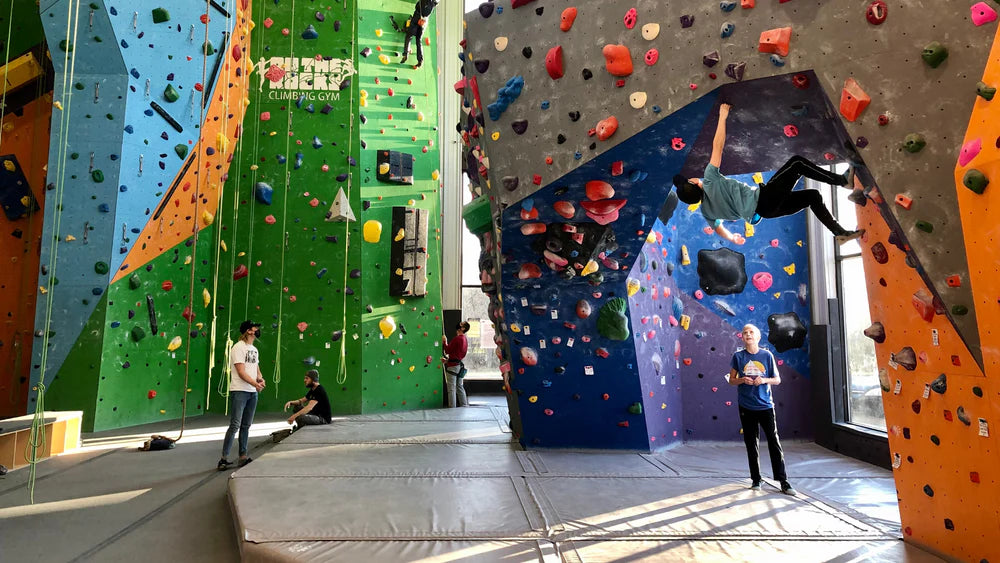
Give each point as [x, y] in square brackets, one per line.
[725, 199]
[414, 28]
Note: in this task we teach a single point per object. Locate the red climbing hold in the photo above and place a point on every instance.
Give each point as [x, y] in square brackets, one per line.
[188, 314]
[554, 62]
[747, 4]
[853, 100]
[567, 19]
[618, 60]
[607, 127]
[877, 12]
[167, 285]
[617, 168]
[775, 41]
[598, 190]
[519, 3]
[151, 394]
[800, 81]
[651, 57]
[240, 272]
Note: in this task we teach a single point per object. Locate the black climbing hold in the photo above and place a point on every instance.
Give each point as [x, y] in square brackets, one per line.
[355, 274]
[687, 20]
[337, 334]
[940, 384]
[964, 416]
[858, 197]
[722, 271]
[880, 253]
[560, 139]
[928, 490]
[949, 525]
[906, 433]
[670, 268]
[915, 405]
[482, 65]
[519, 126]
[876, 332]
[669, 206]
[510, 183]
[906, 358]
[540, 10]
[935, 440]
[526, 52]
[977, 391]
[574, 116]
[486, 9]
[785, 331]
[587, 75]
[711, 59]
[736, 70]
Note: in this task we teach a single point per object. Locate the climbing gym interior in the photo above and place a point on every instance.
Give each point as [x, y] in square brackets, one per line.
[359, 177]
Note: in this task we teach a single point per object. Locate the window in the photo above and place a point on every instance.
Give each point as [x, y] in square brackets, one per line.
[481, 361]
[864, 396]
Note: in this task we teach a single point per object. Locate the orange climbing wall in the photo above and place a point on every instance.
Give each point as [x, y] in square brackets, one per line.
[27, 138]
[946, 463]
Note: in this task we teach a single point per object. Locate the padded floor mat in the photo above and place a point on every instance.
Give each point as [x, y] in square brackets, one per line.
[529, 551]
[802, 459]
[355, 431]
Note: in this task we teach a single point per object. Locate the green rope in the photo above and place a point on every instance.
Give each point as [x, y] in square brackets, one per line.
[36, 440]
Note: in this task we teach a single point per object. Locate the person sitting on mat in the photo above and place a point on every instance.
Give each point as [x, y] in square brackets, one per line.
[314, 408]
[725, 199]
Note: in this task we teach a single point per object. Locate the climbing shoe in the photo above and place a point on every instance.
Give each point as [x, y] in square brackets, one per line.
[245, 461]
[755, 486]
[849, 236]
[786, 488]
[224, 464]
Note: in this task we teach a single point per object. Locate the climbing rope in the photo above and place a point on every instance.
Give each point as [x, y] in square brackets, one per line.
[342, 368]
[36, 439]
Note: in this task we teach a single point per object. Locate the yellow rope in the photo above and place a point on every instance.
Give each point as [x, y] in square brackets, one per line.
[36, 439]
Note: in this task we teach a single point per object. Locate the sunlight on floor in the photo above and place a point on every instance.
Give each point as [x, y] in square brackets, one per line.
[70, 504]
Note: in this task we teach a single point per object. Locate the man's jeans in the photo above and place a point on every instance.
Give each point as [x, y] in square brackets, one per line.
[308, 419]
[456, 386]
[242, 405]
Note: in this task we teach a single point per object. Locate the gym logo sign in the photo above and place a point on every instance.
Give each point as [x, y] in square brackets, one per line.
[289, 78]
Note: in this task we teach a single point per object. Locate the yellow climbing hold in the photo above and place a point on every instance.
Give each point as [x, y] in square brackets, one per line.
[590, 268]
[515, 328]
[222, 244]
[207, 218]
[399, 271]
[387, 325]
[57, 104]
[651, 237]
[378, 32]
[633, 287]
[777, 294]
[411, 202]
[175, 343]
[412, 368]
[685, 257]
[383, 59]
[383, 168]
[435, 175]
[10, 166]
[663, 406]
[533, 399]
[400, 235]
[42, 289]
[495, 136]
[685, 322]
[420, 116]
[758, 178]
[372, 231]
[790, 269]
[221, 142]
[70, 238]
[799, 242]
[206, 297]
[694, 207]
[187, 260]
[748, 230]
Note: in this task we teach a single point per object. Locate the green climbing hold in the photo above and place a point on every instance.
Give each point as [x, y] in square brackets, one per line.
[101, 268]
[612, 322]
[95, 6]
[170, 94]
[914, 143]
[208, 48]
[959, 310]
[134, 282]
[925, 226]
[138, 333]
[74, 156]
[934, 54]
[975, 181]
[78, 86]
[635, 408]
[985, 92]
[97, 175]
[181, 150]
[65, 45]
[160, 15]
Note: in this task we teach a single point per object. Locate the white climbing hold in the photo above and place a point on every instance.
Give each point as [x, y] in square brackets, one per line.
[650, 31]
[637, 99]
[500, 43]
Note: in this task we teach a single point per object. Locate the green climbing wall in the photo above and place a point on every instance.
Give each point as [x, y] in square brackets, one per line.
[403, 370]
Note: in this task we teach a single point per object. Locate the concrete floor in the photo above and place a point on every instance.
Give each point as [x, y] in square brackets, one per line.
[110, 502]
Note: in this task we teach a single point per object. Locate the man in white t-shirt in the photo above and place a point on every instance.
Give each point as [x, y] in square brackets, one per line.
[245, 381]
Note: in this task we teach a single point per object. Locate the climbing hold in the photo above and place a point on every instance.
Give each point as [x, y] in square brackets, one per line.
[505, 96]
[387, 326]
[966, 420]
[940, 384]
[206, 297]
[160, 15]
[630, 18]
[687, 20]
[612, 322]
[170, 94]
[632, 287]
[263, 192]
[914, 143]
[985, 91]
[975, 181]
[101, 268]
[762, 281]
[519, 126]
[727, 30]
[310, 32]
[877, 12]
[637, 100]
[711, 59]
[934, 54]
[876, 332]
[372, 231]
[97, 176]
[606, 127]
[906, 358]
[983, 14]
[564, 209]
[137, 333]
[721, 272]
[853, 100]
[529, 271]
[583, 309]
[567, 18]
[727, 5]
[598, 190]
[554, 62]
[786, 331]
[174, 343]
[240, 272]
[970, 150]
[650, 31]
[924, 226]
[500, 44]
[482, 65]
[651, 57]
[736, 70]
[617, 60]
[486, 9]
[605, 211]
[775, 41]
[635, 408]
[529, 356]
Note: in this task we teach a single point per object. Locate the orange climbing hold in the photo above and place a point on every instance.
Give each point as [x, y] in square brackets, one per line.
[567, 19]
[853, 100]
[747, 4]
[606, 128]
[904, 202]
[775, 41]
[618, 60]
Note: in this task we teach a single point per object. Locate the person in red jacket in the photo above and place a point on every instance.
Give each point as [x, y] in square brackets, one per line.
[454, 369]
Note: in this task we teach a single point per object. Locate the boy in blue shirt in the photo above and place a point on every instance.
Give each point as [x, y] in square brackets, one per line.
[755, 371]
[725, 199]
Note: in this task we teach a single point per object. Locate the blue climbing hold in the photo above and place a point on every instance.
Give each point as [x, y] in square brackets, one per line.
[281, 158]
[104, 208]
[316, 142]
[528, 204]
[263, 192]
[777, 60]
[727, 30]
[310, 33]
[545, 104]
[298, 160]
[506, 96]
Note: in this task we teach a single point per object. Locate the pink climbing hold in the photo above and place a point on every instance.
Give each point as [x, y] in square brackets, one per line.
[677, 144]
[275, 73]
[699, 294]
[270, 220]
[762, 281]
[651, 57]
[554, 62]
[983, 13]
[605, 211]
[969, 151]
[774, 243]
[791, 131]
[302, 326]
[529, 271]
[630, 18]
[529, 356]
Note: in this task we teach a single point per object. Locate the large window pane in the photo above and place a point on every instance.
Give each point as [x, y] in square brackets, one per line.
[481, 360]
[864, 396]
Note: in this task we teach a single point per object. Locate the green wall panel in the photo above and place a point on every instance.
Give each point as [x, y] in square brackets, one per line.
[74, 388]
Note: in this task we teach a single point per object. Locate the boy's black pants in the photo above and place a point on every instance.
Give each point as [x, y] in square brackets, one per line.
[752, 421]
